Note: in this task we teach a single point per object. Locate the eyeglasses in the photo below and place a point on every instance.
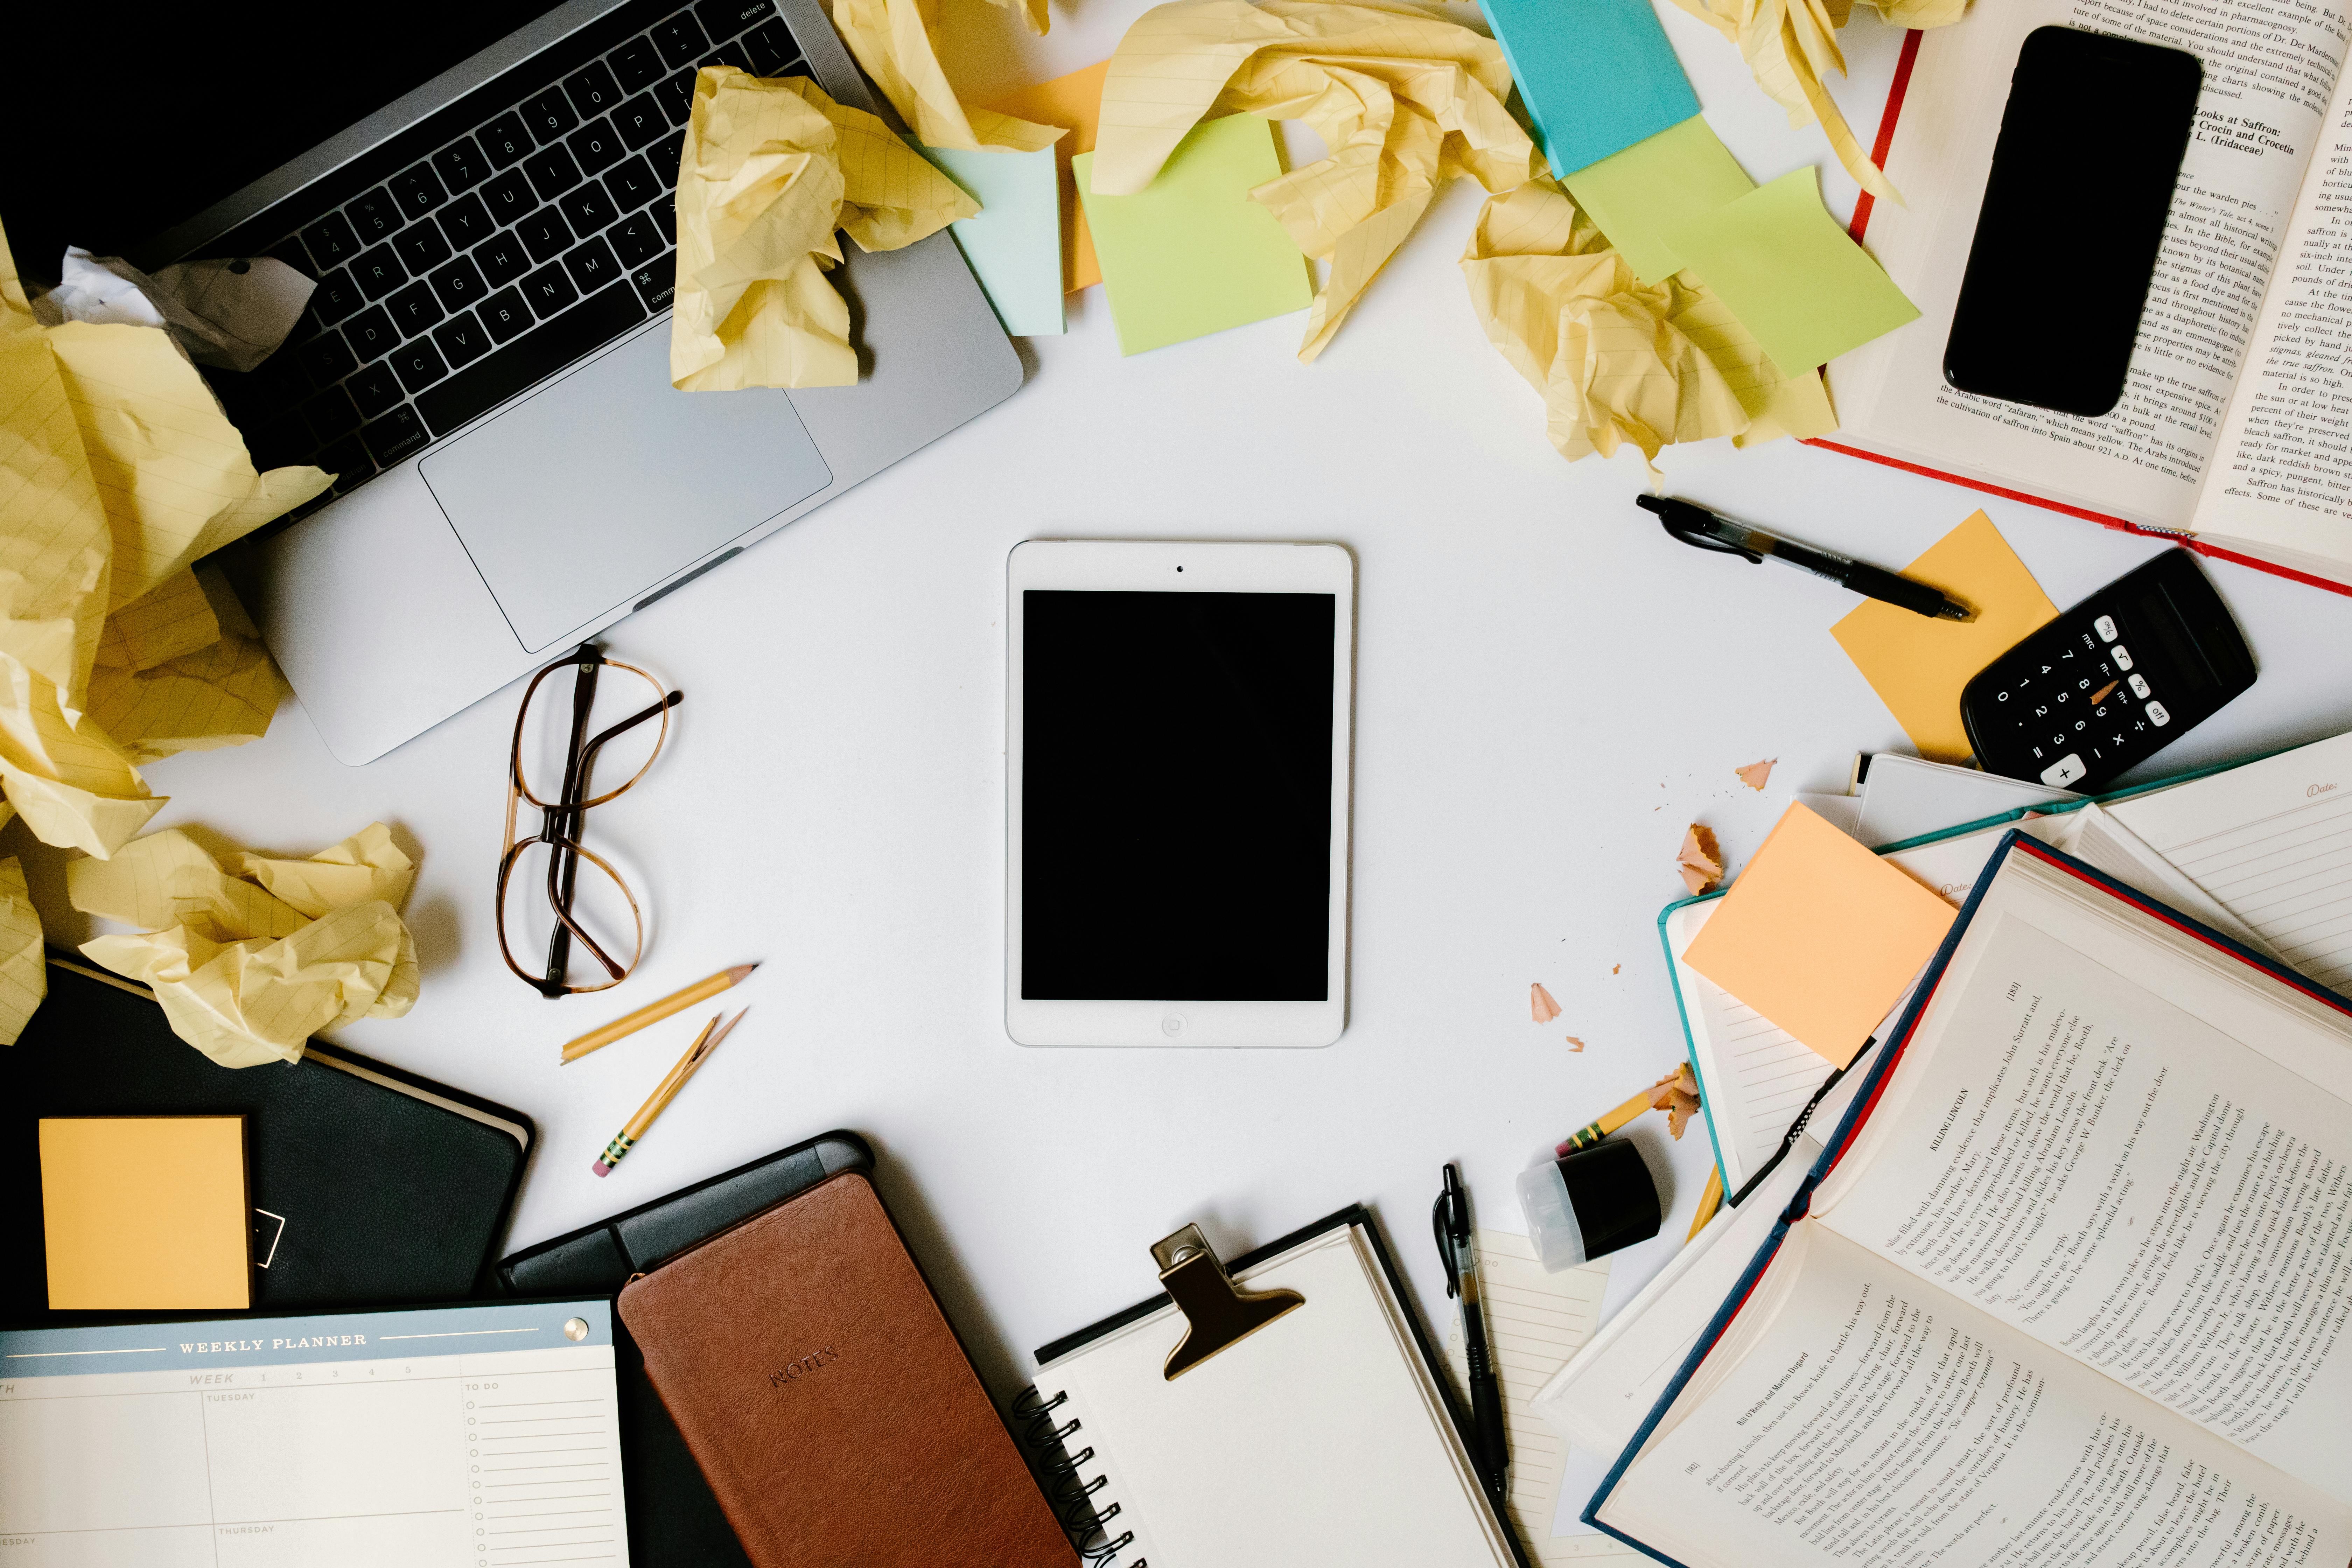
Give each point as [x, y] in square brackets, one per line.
[547, 865]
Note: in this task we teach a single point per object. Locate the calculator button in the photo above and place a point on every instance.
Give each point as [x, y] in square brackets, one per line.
[2139, 685]
[2121, 655]
[2105, 627]
[2064, 771]
[2158, 714]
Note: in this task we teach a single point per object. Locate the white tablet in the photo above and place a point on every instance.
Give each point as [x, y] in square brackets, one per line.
[1176, 770]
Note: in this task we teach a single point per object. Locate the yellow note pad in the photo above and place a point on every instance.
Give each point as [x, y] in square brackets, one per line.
[1073, 102]
[1653, 186]
[1193, 254]
[145, 1213]
[1790, 274]
[1918, 666]
[1819, 935]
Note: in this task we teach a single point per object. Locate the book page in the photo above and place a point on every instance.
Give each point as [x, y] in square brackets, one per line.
[2270, 71]
[1869, 1418]
[2099, 1169]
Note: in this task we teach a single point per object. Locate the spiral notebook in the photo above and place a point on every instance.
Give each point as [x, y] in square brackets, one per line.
[1324, 1437]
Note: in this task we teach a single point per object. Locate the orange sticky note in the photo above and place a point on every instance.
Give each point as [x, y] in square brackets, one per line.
[1916, 664]
[145, 1213]
[1819, 935]
[1073, 102]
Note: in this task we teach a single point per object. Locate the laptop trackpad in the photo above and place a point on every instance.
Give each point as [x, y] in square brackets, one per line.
[582, 497]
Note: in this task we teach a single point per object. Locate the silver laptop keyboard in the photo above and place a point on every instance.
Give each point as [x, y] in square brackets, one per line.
[502, 254]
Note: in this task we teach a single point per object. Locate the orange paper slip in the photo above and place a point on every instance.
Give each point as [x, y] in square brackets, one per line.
[1819, 935]
[1076, 102]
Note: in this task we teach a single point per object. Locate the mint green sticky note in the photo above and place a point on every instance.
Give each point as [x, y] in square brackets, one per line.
[1781, 263]
[1193, 254]
[1014, 246]
[1651, 186]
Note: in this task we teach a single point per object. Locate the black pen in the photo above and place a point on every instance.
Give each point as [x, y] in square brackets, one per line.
[1695, 525]
[1450, 1217]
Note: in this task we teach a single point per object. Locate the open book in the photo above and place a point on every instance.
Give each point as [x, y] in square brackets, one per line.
[2232, 427]
[2071, 1284]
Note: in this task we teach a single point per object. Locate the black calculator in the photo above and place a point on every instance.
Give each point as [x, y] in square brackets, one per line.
[2111, 682]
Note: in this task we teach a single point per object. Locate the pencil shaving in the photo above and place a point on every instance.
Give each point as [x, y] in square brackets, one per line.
[1676, 1094]
[1700, 860]
[1574, 1044]
[1540, 1004]
[1755, 775]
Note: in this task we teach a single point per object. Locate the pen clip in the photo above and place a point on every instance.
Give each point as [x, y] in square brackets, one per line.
[1689, 524]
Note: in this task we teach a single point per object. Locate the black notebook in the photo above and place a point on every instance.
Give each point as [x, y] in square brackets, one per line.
[368, 1184]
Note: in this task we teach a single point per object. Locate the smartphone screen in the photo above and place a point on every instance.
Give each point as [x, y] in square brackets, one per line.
[2074, 214]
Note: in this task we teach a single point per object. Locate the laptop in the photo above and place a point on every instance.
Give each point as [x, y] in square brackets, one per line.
[485, 363]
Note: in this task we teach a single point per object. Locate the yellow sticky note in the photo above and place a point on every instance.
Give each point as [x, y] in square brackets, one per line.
[1918, 666]
[145, 1213]
[1075, 102]
[1654, 185]
[1819, 935]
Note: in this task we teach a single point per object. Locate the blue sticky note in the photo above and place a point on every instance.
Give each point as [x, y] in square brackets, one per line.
[1014, 245]
[1597, 76]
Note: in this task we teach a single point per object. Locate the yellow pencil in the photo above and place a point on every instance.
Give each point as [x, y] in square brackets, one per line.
[1585, 1137]
[665, 1091]
[653, 1012]
[1708, 1201]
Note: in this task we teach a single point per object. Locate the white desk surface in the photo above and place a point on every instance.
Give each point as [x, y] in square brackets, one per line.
[1548, 690]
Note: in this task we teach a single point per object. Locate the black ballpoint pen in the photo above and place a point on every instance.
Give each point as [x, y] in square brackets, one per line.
[1695, 525]
[1491, 1450]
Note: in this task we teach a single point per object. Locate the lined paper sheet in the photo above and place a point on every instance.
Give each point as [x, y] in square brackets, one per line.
[1535, 1323]
[1754, 1076]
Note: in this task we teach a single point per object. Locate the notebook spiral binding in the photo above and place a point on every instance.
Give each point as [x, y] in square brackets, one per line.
[1067, 1492]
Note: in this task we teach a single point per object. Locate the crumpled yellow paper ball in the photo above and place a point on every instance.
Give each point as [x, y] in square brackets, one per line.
[252, 960]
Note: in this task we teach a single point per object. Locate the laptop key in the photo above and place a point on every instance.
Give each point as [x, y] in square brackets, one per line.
[327, 359]
[675, 93]
[347, 461]
[725, 18]
[335, 298]
[548, 290]
[376, 216]
[331, 240]
[504, 140]
[461, 165]
[459, 285]
[596, 145]
[664, 216]
[637, 241]
[592, 266]
[375, 389]
[421, 246]
[592, 90]
[371, 334]
[394, 436]
[418, 365]
[634, 184]
[505, 315]
[330, 415]
[413, 309]
[655, 282]
[462, 340]
[731, 53]
[502, 259]
[378, 272]
[418, 190]
[640, 120]
[666, 155]
[466, 221]
[636, 65]
[679, 39]
[550, 115]
[772, 49]
[545, 234]
[532, 357]
[551, 172]
[588, 209]
[509, 196]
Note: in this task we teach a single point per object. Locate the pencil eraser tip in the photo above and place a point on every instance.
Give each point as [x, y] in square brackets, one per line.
[601, 1168]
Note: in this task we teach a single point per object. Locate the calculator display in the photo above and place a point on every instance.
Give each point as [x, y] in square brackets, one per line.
[2111, 682]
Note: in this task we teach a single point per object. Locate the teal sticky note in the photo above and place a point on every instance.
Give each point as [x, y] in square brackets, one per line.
[1014, 246]
[1597, 76]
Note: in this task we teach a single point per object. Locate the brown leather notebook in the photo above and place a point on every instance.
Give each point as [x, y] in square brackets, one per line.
[827, 1399]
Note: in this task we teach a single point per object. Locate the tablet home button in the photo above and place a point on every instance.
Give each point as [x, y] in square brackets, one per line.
[1173, 1025]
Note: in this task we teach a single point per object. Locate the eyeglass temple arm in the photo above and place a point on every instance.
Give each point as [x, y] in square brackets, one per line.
[564, 868]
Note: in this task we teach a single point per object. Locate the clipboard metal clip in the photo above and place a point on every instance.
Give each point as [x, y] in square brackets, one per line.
[1219, 1311]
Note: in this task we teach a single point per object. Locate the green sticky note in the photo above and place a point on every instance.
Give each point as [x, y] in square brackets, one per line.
[1014, 246]
[1781, 263]
[1655, 185]
[1193, 254]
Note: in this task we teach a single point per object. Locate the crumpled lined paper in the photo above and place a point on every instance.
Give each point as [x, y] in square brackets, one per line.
[230, 313]
[897, 43]
[23, 968]
[117, 472]
[1404, 100]
[1619, 363]
[770, 169]
[252, 960]
[1790, 43]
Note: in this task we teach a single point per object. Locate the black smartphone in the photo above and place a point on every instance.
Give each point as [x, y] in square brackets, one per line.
[2082, 180]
